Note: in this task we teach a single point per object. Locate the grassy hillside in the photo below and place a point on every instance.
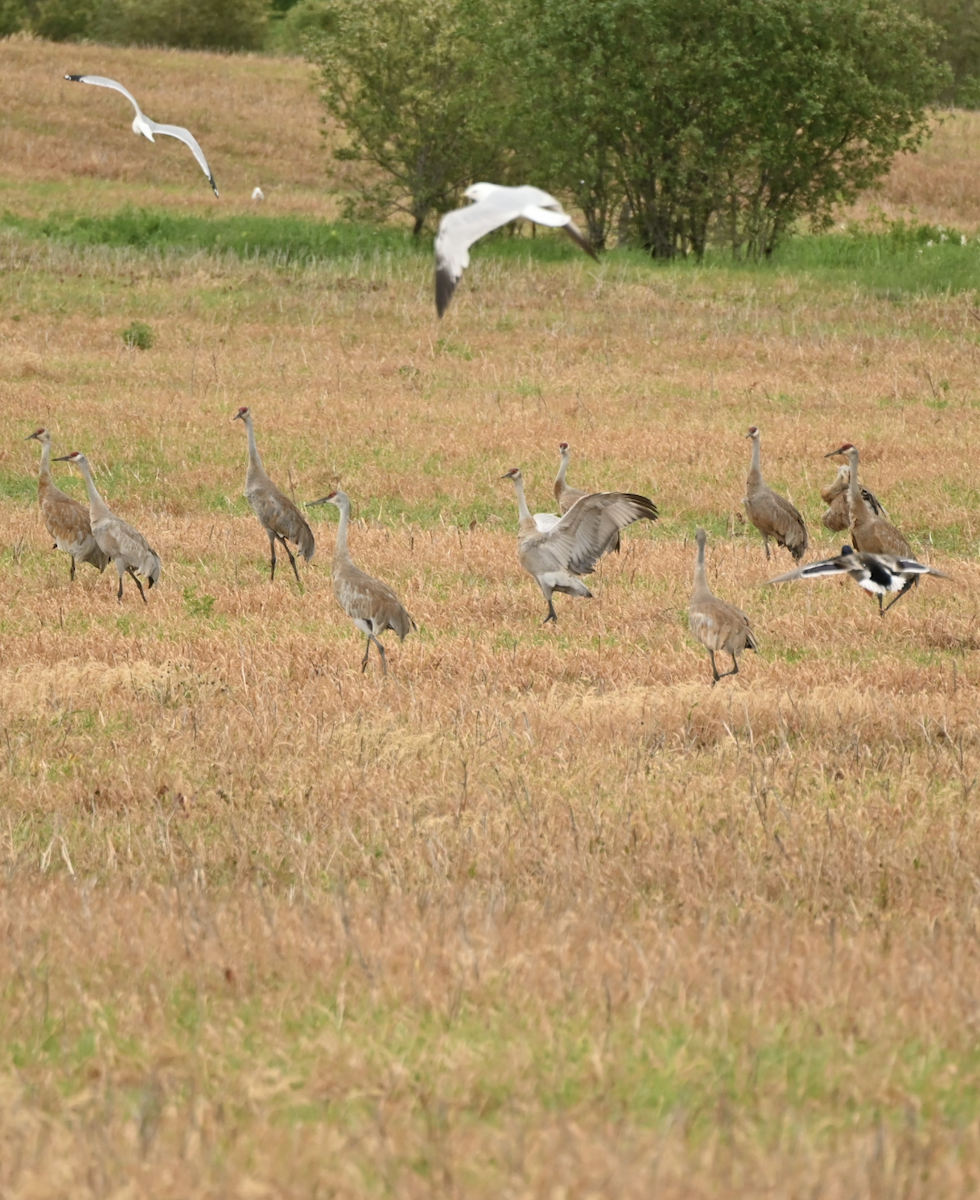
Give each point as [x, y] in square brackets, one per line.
[542, 913]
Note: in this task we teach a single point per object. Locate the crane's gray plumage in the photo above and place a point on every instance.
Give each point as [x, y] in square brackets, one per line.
[142, 123]
[567, 496]
[67, 521]
[370, 604]
[838, 514]
[773, 515]
[277, 514]
[554, 558]
[870, 531]
[117, 539]
[879, 574]
[716, 624]
[492, 207]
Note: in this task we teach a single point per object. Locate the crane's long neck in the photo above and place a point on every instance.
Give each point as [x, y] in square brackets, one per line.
[853, 487]
[44, 473]
[254, 461]
[97, 506]
[755, 470]
[340, 545]
[700, 573]
[560, 478]
[522, 508]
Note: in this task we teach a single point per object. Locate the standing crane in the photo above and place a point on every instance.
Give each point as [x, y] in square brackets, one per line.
[567, 496]
[370, 604]
[65, 519]
[870, 531]
[770, 513]
[879, 574]
[716, 624]
[555, 557]
[277, 514]
[838, 516]
[117, 539]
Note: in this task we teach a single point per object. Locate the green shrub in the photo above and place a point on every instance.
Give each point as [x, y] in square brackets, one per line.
[138, 336]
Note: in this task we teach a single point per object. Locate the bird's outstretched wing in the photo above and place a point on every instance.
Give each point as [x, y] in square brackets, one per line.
[185, 136]
[102, 81]
[583, 534]
[459, 229]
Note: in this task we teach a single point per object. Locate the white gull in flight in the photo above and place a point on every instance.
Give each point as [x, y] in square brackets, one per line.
[142, 123]
[493, 206]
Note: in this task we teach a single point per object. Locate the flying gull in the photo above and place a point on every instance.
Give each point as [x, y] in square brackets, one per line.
[493, 206]
[142, 123]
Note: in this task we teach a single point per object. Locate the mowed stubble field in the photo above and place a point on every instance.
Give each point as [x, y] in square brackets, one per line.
[542, 913]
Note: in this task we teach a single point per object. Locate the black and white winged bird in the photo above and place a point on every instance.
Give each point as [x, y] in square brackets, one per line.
[493, 206]
[879, 574]
[142, 123]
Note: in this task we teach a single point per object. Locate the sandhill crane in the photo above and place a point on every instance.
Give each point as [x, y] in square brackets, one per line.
[493, 206]
[277, 514]
[370, 604]
[770, 513]
[577, 542]
[838, 517]
[870, 532]
[65, 519]
[716, 624]
[567, 496]
[117, 539]
[879, 574]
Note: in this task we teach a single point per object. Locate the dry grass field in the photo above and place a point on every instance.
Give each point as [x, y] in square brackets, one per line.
[542, 914]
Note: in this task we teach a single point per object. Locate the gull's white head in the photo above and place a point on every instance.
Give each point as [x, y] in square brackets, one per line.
[480, 191]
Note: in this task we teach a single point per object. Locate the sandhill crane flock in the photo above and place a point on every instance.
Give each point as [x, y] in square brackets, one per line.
[555, 550]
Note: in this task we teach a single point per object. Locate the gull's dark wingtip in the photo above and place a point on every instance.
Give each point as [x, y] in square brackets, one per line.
[445, 286]
[75, 78]
[214, 186]
[579, 238]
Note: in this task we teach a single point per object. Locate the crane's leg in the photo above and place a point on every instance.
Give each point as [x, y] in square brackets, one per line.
[292, 560]
[272, 547]
[136, 581]
[765, 542]
[381, 651]
[552, 615]
[120, 571]
[71, 578]
[714, 669]
[367, 652]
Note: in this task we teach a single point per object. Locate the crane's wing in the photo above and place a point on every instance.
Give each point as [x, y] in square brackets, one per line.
[545, 522]
[583, 534]
[102, 81]
[185, 136]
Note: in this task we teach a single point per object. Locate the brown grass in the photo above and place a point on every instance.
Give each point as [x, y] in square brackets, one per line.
[543, 913]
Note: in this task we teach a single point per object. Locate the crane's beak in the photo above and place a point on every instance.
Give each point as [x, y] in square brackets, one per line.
[833, 452]
[30, 437]
[314, 503]
[237, 417]
[63, 458]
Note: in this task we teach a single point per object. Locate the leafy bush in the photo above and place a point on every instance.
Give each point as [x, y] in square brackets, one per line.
[138, 336]
[414, 94]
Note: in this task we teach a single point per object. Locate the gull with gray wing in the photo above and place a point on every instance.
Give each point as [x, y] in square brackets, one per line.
[142, 123]
[493, 206]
